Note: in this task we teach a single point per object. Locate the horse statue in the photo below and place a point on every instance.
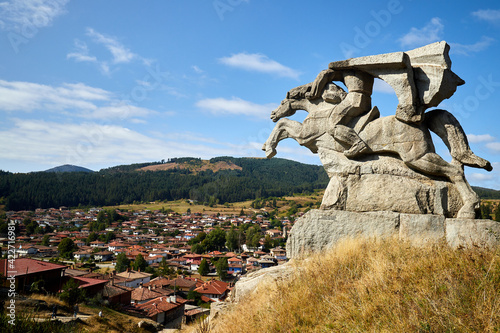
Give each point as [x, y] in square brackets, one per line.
[409, 142]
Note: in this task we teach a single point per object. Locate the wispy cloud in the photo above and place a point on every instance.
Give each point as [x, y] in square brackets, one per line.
[494, 146]
[236, 106]
[259, 63]
[70, 98]
[480, 138]
[383, 87]
[489, 15]
[431, 32]
[81, 53]
[120, 53]
[479, 46]
[15, 14]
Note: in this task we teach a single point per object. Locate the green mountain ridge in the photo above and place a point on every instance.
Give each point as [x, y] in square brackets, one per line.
[124, 184]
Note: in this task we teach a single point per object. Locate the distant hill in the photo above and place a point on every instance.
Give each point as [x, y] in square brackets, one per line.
[69, 168]
[215, 181]
[486, 193]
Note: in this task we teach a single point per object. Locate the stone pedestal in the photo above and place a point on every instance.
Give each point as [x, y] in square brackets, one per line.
[318, 230]
[385, 183]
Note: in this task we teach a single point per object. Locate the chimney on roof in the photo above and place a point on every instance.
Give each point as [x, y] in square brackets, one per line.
[149, 287]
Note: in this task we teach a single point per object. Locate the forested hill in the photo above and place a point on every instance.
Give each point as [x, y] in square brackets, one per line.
[222, 179]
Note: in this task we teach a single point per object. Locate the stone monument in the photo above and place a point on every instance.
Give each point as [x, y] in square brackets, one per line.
[385, 176]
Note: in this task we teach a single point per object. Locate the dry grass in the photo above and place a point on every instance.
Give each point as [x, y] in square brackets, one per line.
[387, 286]
[51, 300]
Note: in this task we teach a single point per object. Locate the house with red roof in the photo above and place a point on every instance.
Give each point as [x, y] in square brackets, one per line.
[214, 289]
[116, 294]
[168, 311]
[90, 285]
[27, 271]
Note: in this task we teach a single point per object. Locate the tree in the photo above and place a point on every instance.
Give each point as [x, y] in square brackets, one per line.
[221, 267]
[164, 269]
[195, 296]
[46, 240]
[122, 262]
[497, 213]
[140, 263]
[72, 294]
[216, 239]
[198, 248]
[66, 248]
[204, 268]
[486, 211]
[91, 237]
[232, 239]
[253, 236]
[30, 226]
[268, 243]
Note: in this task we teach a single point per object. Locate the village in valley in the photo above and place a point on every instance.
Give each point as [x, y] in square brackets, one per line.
[157, 264]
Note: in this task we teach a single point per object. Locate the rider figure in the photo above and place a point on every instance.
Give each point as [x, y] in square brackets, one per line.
[357, 102]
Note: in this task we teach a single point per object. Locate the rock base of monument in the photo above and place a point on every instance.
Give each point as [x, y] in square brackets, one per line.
[319, 230]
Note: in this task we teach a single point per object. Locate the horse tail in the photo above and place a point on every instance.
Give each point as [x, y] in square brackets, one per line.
[447, 127]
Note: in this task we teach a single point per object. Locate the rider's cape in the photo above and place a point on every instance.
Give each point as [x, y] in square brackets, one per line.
[432, 75]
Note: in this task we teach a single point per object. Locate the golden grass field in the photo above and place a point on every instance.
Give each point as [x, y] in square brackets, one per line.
[181, 206]
[377, 286]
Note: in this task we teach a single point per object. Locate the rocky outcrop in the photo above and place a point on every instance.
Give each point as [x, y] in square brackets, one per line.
[251, 282]
[319, 230]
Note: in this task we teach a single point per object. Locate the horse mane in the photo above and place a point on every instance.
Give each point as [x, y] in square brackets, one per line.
[332, 93]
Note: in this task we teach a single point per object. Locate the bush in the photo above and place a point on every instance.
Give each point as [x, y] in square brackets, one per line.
[71, 293]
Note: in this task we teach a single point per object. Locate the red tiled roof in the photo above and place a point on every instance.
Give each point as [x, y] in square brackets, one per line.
[159, 305]
[24, 266]
[88, 282]
[213, 287]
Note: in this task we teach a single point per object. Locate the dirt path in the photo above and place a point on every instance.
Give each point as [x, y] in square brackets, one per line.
[63, 318]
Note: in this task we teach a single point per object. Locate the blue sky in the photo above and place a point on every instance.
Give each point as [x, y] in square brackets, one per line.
[102, 83]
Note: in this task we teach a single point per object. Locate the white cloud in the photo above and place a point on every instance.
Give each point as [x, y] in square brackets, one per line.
[77, 98]
[236, 106]
[479, 46]
[495, 146]
[383, 87]
[197, 69]
[431, 32]
[480, 138]
[120, 53]
[489, 15]
[96, 146]
[260, 63]
[480, 177]
[17, 14]
[81, 54]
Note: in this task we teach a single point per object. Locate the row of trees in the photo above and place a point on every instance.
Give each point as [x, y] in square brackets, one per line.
[488, 211]
[258, 178]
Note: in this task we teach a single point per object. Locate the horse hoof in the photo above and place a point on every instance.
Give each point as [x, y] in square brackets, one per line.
[270, 153]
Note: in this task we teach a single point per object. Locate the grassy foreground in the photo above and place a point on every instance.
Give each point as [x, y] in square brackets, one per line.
[385, 286]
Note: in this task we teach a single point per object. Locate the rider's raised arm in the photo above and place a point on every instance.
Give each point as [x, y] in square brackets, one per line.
[324, 77]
